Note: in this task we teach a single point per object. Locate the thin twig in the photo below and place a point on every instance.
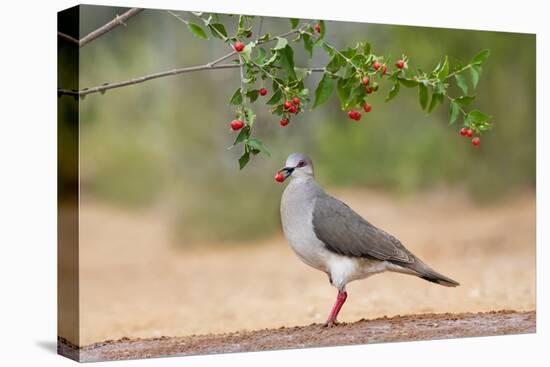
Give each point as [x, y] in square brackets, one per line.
[103, 29]
[107, 86]
[67, 37]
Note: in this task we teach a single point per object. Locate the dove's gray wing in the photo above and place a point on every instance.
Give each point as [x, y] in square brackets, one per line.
[345, 232]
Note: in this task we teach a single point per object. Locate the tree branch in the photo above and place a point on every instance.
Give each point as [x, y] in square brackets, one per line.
[213, 65]
[104, 87]
[66, 37]
[119, 19]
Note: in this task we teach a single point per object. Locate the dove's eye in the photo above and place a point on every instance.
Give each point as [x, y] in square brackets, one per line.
[301, 164]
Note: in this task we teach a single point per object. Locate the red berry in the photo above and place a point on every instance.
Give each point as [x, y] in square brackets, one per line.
[238, 46]
[400, 64]
[296, 101]
[354, 115]
[367, 107]
[317, 28]
[365, 80]
[476, 141]
[376, 65]
[237, 125]
[463, 131]
[263, 91]
[369, 90]
[384, 70]
[284, 121]
[469, 133]
[287, 105]
[279, 177]
[292, 109]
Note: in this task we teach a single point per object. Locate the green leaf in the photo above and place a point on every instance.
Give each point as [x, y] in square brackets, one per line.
[393, 91]
[461, 82]
[343, 91]
[287, 61]
[464, 100]
[243, 135]
[237, 97]
[335, 63]
[308, 44]
[324, 90]
[247, 50]
[275, 98]
[196, 30]
[366, 48]
[260, 57]
[423, 95]
[281, 43]
[480, 57]
[477, 116]
[475, 71]
[294, 22]
[444, 69]
[436, 100]
[218, 30]
[245, 158]
[253, 95]
[258, 145]
[453, 112]
[409, 83]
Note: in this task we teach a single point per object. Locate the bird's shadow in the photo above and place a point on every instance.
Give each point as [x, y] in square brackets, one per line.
[48, 345]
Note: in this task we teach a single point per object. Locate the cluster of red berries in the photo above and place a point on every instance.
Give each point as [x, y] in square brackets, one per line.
[356, 115]
[469, 133]
[291, 107]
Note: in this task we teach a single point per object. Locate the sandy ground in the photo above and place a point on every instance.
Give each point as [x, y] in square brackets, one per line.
[395, 329]
[136, 283]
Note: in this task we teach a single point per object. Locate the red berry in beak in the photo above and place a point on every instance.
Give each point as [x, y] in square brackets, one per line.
[476, 141]
[284, 121]
[237, 125]
[279, 177]
[400, 64]
[317, 28]
[367, 107]
[238, 46]
[263, 92]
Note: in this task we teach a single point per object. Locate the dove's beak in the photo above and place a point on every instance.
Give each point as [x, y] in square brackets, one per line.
[283, 173]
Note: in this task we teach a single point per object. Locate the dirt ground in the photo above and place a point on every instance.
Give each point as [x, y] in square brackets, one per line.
[136, 283]
[400, 328]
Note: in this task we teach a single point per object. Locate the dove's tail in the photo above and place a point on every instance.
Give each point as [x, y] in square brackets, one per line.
[440, 279]
[425, 272]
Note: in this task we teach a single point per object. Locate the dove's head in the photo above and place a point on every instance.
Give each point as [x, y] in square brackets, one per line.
[297, 165]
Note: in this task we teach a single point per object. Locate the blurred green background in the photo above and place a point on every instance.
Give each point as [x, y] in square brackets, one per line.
[162, 145]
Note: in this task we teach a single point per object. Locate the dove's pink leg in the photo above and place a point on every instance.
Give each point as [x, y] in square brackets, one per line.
[340, 299]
